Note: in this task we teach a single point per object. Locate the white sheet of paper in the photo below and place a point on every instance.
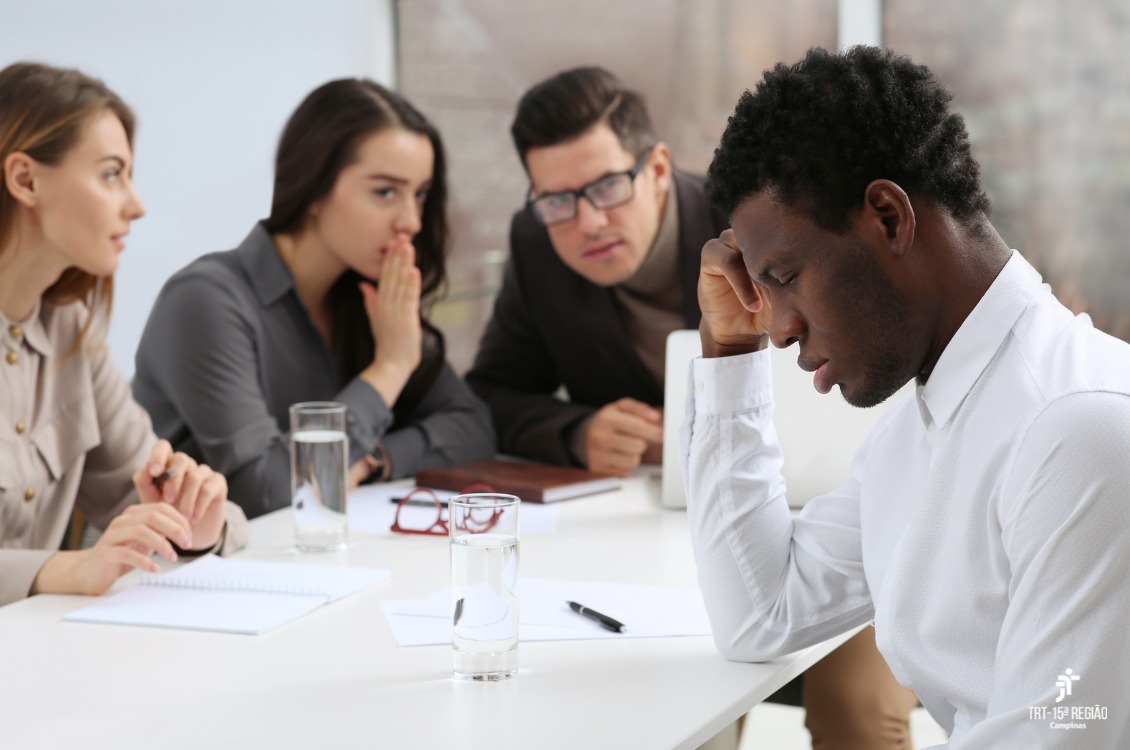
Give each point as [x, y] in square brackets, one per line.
[197, 609]
[370, 509]
[646, 611]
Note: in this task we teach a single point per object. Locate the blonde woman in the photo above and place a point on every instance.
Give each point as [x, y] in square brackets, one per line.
[70, 432]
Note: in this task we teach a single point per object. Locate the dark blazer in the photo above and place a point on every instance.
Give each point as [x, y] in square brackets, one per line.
[552, 327]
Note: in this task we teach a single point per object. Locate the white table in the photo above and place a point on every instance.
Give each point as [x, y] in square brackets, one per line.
[336, 679]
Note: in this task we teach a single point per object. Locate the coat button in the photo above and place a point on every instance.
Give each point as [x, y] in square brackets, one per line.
[29, 494]
[20, 427]
[12, 358]
[16, 331]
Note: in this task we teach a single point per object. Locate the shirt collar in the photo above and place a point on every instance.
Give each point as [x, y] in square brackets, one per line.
[978, 339]
[31, 329]
[269, 276]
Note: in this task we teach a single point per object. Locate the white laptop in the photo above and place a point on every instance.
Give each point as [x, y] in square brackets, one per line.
[682, 347]
[819, 434]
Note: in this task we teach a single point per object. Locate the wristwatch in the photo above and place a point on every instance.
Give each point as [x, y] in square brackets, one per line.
[379, 463]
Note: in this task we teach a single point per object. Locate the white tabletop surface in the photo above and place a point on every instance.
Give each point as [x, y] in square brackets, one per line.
[336, 679]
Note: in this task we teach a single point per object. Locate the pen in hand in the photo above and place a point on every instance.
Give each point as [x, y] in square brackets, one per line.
[605, 621]
[160, 478]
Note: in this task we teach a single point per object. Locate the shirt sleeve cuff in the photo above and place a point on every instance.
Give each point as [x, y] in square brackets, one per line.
[18, 569]
[724, 385]
[368, 418]
[236, 531]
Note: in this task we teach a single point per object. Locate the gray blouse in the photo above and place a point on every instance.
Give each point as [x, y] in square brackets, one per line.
[229, 346]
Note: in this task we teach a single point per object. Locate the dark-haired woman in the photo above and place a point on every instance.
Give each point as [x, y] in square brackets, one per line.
[72, 435]
[321, 301]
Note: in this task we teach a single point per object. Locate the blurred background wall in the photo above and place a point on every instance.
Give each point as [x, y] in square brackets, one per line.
[212, 82]
[1045, 90]
[467, 62]
[1044, 87]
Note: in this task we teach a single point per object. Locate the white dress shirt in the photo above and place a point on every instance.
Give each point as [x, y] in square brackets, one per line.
[985, 528]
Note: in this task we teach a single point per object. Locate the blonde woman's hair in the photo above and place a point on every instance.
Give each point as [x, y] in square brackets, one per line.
[43, 110]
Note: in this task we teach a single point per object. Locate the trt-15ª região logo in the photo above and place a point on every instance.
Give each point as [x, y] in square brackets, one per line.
[1063, 715]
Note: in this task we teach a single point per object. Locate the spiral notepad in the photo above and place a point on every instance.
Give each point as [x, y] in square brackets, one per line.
[231, 596]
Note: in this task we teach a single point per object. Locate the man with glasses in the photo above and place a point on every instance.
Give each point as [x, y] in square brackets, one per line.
[604, 263]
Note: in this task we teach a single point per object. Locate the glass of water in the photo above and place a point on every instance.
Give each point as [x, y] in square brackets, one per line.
[483, 529]
[319, 452]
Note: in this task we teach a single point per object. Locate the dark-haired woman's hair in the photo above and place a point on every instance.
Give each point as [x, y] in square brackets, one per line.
[321, 138]
[42, 113]
[816, 133]
[565, 106]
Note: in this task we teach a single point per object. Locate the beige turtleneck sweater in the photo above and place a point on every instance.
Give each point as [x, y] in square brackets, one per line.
[650, 302]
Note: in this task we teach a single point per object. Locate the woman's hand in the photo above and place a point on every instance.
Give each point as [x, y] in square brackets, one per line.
[129, 542]
[394, 316]
[196, 491]
[182, 503]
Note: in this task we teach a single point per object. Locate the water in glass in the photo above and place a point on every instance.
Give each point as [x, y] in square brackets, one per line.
[319, 483]
[484, 574]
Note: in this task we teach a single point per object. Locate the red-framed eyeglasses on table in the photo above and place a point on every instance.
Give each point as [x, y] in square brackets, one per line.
[477, 521]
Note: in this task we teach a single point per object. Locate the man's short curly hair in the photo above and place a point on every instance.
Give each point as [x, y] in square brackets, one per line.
[817, 132]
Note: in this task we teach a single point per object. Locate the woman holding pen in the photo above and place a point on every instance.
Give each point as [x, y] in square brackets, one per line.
[321, 302]
[70, 432]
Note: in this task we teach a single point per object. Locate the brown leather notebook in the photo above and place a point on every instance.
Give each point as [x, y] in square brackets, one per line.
[531, 482]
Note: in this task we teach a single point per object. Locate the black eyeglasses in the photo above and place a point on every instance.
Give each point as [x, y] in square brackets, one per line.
[609, 191]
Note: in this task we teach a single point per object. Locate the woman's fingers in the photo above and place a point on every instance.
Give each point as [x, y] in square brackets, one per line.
[408, 290]
[410, 293]
[128, 557]
[162, 518]
[146, 479]
[398, 257]
[181, 465]
[183, 488]
[146, 541]
[213, 489]
[209, 502]
[400, 279]
[189, 501]
[159, 457]
[130, 541]
[394, 307]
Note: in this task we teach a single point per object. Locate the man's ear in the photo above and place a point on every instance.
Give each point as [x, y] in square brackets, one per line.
[20, 173]
[888, 216]
[661, 163]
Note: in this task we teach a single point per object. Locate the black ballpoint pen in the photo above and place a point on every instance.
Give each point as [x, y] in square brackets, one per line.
[605, 621]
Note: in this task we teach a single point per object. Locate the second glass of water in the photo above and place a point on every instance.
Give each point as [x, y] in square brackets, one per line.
[319, 453]
[484, 580]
